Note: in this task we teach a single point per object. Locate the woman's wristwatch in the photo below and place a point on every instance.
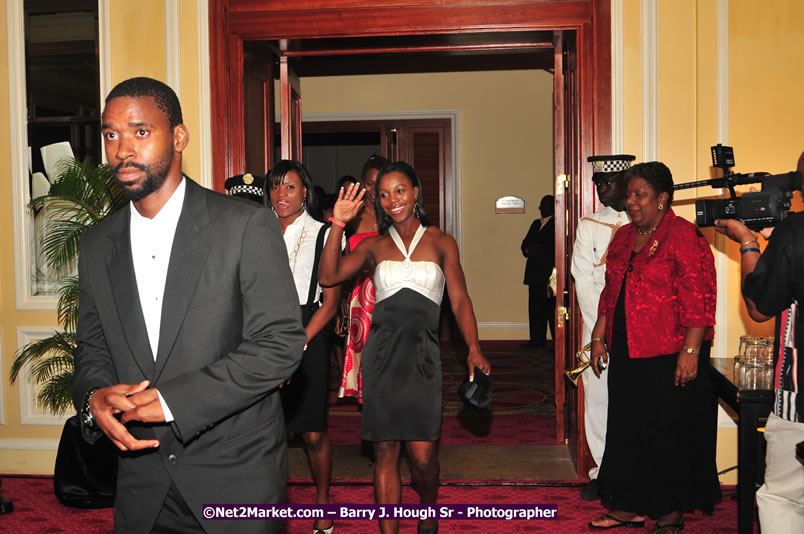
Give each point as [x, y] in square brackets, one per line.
[690, 350]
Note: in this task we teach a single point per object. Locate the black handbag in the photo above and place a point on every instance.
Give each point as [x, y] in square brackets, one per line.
[85, 475]
[477, 394]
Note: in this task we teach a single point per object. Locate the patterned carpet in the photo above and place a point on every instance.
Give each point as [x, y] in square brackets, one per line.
[523, 412]
[37, 510]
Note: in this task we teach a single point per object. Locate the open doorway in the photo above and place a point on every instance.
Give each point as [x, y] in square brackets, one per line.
[506, 146]
[449, 29]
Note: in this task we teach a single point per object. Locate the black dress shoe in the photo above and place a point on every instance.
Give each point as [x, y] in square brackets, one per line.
[6, 506]
[422, 530]
[589, 492]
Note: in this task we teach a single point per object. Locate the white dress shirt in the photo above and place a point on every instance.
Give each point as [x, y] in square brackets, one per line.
[588, 266]
[301, 260]
[151, 244]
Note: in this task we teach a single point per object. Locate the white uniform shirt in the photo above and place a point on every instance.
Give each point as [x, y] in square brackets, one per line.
[588, 268]
[151, 244]
[301, 252]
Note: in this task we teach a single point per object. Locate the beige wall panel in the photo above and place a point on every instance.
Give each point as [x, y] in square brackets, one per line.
[632, 79]
[678, 98]
[766, 77]
[191, 159]
[707, 93]
[137, 39]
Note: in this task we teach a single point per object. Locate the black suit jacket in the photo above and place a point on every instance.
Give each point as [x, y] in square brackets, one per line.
[539, 248]
[230, 334]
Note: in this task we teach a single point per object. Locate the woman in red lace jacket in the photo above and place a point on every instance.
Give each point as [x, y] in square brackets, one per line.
[654, 324]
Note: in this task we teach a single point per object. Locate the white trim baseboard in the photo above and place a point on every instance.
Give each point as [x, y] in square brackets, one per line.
[650, 80]
[29, 444]
[502, 325]
[29, 413]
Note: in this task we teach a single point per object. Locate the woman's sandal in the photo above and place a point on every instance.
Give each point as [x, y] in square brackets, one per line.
[617, 523]
[324, 530]
[668, 528]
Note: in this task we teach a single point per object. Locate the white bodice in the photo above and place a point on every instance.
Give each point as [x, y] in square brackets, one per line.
[424, 277]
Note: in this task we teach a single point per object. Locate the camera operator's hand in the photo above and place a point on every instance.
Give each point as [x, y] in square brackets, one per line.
[736, 231]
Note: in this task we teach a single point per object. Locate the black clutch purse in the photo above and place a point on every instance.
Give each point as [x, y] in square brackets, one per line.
[477, 394]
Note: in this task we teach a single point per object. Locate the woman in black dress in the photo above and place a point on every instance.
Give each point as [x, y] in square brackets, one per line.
[411, 261]
[289, 191]
[655, 321]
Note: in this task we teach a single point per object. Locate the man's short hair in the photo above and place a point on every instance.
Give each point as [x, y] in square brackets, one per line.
[142, 87]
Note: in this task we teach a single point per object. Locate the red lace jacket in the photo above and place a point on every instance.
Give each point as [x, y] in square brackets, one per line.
[671, 286]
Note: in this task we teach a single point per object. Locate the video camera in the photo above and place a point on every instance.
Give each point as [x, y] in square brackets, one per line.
[756, 210]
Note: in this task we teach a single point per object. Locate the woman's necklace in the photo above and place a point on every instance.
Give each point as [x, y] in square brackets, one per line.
[648, 231]
[295, 254]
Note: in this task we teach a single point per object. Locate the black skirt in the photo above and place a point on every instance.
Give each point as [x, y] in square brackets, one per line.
[660, 438]
[305, 399]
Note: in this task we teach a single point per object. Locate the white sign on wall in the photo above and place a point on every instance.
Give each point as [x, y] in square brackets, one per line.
[509, 204]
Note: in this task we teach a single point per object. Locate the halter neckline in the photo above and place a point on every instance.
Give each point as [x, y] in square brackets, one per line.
[401, 246]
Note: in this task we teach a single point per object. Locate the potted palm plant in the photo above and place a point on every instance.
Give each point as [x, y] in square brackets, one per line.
[79, 198]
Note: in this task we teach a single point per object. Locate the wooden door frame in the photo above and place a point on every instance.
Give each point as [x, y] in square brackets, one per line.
[232, 22]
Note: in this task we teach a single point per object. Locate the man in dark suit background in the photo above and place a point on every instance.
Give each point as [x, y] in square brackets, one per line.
[188, 322]
[539, 248]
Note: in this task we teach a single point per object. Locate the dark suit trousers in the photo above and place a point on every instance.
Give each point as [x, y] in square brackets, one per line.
[176, 516]
[541, 312]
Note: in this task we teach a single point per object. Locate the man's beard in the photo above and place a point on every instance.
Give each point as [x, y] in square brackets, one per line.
[155, 176]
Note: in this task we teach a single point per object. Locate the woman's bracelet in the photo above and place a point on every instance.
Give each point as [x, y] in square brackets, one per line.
[599, 339]
[751, 241]
[336, 222]
[749, 249]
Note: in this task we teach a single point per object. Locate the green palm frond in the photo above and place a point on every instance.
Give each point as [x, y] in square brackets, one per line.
[50, 366]
[79, 198]
[67, 307]
[61, 343]
[54, 365]
[60, 242]
[56, 394]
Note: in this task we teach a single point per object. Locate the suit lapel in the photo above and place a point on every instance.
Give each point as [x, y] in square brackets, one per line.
[123, 281]
[187, 259]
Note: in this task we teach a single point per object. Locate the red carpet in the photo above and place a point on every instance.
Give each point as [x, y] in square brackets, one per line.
[523, 412]
[37, 510]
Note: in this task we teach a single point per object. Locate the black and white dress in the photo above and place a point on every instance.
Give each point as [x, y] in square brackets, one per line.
[305, 399]
[402, 357]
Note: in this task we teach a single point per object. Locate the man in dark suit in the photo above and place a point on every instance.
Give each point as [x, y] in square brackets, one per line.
[539, 248]
[188, 322]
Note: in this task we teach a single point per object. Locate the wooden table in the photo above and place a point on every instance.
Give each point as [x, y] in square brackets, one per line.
[749, 393]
